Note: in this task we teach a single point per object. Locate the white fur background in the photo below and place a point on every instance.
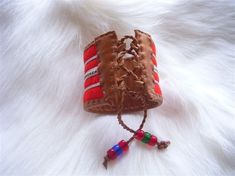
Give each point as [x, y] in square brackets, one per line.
[43, 127]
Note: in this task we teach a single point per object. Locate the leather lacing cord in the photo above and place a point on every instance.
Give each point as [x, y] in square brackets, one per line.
[122, 89]
[121, 122]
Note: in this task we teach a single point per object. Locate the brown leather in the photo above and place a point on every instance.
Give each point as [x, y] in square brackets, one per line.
[127, 83]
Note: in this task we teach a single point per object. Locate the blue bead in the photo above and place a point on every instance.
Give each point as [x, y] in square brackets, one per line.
[117, 149]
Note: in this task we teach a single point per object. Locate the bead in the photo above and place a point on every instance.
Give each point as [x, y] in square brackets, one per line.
[124, 145]
[111, 154]
[117, 150]
[139, 135]
[153, 140]
[146, 138]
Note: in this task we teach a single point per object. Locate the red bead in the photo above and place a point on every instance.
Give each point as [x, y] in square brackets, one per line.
[111, 154]
[139, 135]
[153, 140]
[124, 145]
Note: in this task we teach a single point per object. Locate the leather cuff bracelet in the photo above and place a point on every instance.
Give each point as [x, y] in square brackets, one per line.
[121, 76]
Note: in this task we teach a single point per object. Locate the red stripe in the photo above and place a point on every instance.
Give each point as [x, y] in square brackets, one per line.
[91, 80]
[154, 52]
[154, 60]
[157, 89]
[91, 64]
[153, 48]
[156, 77]
[93, 93]
[89, 52]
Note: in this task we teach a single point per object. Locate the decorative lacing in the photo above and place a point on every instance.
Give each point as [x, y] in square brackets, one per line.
[121, 86]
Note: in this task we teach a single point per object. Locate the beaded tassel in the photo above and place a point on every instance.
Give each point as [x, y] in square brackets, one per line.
[150, 139]
[123, 146]
[116, 151]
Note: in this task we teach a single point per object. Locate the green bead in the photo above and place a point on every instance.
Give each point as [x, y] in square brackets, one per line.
[146, 138]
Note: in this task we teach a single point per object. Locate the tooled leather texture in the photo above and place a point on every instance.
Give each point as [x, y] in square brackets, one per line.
[127, 81]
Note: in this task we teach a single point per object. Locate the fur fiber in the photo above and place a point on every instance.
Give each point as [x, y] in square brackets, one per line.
[43, 127]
